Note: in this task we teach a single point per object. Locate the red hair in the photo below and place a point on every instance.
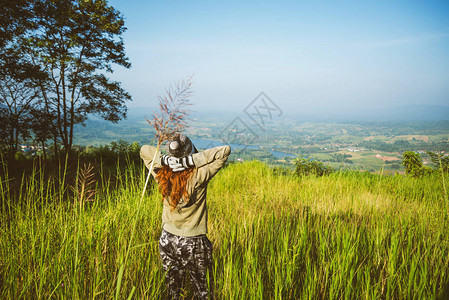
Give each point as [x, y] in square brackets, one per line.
[172, 185]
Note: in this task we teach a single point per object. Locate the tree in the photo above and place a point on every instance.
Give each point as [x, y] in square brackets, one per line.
[75, 43]
[16, 90]
[16, 98]
[307, 166]
[413, 164]
[440, 160]
[15, 19]
[42, 126]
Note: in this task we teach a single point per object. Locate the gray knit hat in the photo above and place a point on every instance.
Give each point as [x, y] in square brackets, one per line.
[180, 146]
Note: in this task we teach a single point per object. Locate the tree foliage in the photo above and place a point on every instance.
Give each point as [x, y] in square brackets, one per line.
[440, 160]
[340, 158]
[307, 166]
[16, 110]
[413, 164]
[16, 94]
[70, 46]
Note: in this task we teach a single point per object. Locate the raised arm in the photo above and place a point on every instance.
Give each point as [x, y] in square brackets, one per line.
[209, 162]
[147, 154]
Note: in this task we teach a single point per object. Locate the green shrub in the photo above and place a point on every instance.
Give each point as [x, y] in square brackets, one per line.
[20, 156]
[413, 165]
[307, 166]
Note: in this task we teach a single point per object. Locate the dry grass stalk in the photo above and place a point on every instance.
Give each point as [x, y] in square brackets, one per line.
[173, 111]
[172, 116]
[85, 182]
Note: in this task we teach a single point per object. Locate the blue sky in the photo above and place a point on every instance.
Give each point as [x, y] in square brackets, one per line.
[328, 56]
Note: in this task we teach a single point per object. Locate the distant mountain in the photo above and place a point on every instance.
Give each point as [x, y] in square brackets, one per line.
[405, 113]
[411, 113]
[142, 113]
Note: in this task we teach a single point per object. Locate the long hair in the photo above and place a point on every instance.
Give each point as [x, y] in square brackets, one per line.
[172, 185]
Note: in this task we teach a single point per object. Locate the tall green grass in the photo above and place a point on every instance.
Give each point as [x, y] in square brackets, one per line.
[344, 236]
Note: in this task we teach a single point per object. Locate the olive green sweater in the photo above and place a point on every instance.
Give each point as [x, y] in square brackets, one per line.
[189, 218]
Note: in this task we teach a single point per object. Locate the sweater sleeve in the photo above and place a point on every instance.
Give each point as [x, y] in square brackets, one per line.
[148, 153]
[209, 162]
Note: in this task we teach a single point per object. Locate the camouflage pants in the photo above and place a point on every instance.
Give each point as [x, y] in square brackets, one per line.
[180, 254]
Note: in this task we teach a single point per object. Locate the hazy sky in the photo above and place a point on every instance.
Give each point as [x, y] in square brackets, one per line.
[305, 55]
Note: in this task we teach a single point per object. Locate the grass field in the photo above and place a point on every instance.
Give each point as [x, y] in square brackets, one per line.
[344, 236]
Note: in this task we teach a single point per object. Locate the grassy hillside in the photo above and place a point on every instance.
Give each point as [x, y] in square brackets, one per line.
[346, 235]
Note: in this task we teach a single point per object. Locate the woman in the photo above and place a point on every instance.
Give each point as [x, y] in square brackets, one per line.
[182, 176]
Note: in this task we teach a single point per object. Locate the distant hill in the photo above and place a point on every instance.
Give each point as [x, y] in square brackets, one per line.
[142, 113]
[405, 113]
[412, 113]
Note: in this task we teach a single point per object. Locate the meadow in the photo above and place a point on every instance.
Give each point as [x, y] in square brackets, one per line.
[347, 235]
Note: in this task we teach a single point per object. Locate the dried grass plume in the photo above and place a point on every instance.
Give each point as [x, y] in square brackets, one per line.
[173, 111]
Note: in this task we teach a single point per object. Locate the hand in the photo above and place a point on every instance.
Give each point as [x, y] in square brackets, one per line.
[187, 162]
[175, 164]
[180, 164]
[164, 160]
